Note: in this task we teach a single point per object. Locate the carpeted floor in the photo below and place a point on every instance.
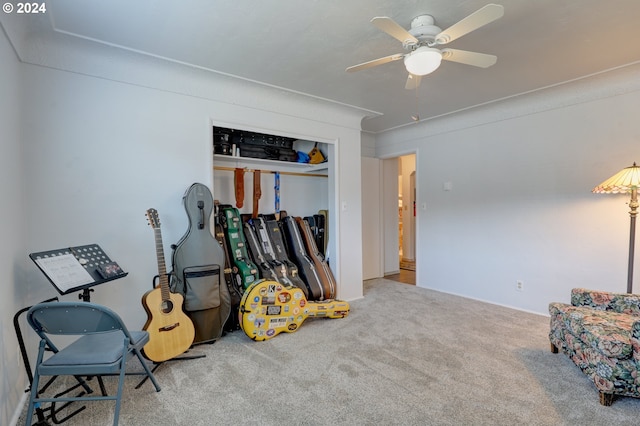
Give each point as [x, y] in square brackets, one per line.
[405, 355]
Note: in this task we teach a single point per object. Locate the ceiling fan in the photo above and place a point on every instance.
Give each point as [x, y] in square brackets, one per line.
[422, 39]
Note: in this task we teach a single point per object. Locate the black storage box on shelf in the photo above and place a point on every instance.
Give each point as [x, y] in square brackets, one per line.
[260, 139]
[253, 145]
[268, 153]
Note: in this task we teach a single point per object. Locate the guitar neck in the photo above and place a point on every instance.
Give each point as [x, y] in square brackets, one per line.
[328, 309]
[162, 267]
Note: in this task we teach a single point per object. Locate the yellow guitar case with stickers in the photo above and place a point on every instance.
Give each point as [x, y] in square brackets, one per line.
[269, 308]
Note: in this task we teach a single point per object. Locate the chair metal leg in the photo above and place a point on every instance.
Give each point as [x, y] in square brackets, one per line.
[32, 397]
[123, 367]
[147, 370]
[34, 384]
[53, 410]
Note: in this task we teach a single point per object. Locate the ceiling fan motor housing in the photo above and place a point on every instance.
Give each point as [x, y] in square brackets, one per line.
[423, 28]
[423, 58]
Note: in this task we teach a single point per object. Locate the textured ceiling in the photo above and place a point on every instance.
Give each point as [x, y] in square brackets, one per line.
[305, 46]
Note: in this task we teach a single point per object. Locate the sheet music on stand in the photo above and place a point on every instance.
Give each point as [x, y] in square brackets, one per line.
[77, 268]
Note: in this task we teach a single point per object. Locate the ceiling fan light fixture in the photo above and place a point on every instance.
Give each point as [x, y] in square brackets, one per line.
[423, 60]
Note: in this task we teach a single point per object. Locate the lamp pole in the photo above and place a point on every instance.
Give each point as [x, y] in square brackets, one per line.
[625, 181]
[633, 205]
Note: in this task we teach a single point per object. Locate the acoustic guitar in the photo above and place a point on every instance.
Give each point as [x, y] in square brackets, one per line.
[268, 308]
[171, 332]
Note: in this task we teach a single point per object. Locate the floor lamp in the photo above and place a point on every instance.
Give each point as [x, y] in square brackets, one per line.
[626, 180]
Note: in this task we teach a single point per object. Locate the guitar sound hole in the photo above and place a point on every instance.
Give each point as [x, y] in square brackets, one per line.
[166, 306]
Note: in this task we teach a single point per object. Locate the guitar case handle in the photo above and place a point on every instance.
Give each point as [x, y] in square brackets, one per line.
[201, 208]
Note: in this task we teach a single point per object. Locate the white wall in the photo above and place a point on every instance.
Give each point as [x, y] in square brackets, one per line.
[100, 153]
[368, 145]
[107, 135]
[13, 260]
[521, 206]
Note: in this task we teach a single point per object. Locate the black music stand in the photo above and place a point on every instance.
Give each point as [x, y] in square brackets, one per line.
[77, 268]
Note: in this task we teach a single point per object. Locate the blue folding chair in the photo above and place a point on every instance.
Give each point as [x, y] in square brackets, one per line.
[104, 346]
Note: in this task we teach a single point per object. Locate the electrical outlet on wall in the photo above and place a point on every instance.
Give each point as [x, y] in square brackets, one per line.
[519, 285]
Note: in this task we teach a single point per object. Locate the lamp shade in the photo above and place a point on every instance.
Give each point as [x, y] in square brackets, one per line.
[423, 60]
[625, 180]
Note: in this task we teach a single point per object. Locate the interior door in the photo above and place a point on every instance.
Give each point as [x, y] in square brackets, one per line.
[372, 260]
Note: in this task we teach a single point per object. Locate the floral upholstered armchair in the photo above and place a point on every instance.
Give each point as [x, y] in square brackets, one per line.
[600, 332]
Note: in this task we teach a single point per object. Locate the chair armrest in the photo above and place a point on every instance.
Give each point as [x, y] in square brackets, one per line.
[623, 303]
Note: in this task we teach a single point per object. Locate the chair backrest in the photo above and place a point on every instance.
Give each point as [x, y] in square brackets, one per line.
[74, 318]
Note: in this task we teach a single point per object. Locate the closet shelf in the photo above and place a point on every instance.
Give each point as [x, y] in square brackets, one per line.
[272, 165]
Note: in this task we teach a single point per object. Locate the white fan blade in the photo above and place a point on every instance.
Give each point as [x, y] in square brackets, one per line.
[476, 59]
[375, 62]
[392, 28]
[479, 18]
[413, 82]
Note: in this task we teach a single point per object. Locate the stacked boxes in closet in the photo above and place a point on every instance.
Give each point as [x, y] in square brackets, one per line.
[238, 143]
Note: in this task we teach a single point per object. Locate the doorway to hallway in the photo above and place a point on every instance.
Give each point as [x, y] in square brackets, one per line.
[407, 212]
[405, 199]
[389, 221]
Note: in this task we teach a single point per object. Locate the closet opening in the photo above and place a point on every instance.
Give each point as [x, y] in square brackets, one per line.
[265, 176]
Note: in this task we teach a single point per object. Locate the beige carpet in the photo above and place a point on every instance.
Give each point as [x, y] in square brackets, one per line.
[405, 356]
